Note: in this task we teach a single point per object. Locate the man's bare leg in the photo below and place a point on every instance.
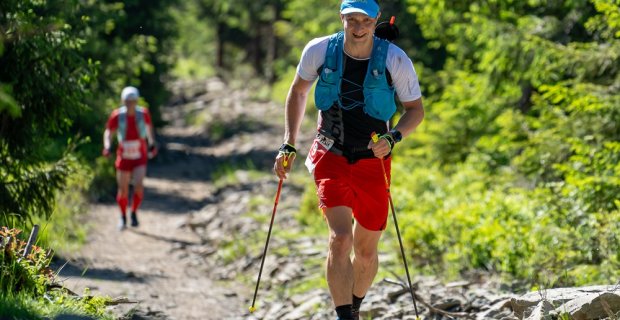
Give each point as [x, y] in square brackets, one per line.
[365, 262]
[339, 269]
[138, 175]
[122, 195]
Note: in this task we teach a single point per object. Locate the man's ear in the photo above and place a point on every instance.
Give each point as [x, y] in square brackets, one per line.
[378, 16]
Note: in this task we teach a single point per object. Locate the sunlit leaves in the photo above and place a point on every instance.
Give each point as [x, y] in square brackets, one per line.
[528, 107]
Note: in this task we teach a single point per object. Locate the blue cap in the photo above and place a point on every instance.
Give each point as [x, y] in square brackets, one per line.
[367, 7]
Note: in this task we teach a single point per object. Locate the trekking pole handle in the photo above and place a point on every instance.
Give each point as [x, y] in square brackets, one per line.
[375, 138]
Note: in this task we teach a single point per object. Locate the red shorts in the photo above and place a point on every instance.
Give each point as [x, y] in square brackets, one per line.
[128, 165]
[359, 186]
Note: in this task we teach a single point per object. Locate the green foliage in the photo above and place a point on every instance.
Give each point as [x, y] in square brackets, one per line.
[62, 66]
[30, 190]
[28, 287]
[309, 215]
[42, 72]
[65, 229]
[515, 169]
[103, 183]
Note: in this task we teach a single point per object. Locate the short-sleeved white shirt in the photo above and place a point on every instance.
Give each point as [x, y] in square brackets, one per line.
[404, 77]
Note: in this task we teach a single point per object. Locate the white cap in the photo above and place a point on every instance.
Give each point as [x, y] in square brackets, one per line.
[130, 93]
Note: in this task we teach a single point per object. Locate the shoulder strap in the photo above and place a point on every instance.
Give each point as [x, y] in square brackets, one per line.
[379, 56]
[122, 123]
[333, 56]
[140, 121]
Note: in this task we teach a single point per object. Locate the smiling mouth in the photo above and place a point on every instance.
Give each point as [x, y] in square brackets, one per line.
[359, 36]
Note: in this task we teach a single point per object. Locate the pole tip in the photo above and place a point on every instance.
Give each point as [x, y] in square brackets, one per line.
[252, 309]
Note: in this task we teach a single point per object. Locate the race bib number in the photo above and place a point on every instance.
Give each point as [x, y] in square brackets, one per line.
[131, 150]
[320, 146]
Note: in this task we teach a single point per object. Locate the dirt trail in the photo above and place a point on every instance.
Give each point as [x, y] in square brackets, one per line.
[148, 264]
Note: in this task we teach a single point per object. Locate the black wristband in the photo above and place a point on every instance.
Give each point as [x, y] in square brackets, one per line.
[396, 135]
[287, 148]
[390, 140]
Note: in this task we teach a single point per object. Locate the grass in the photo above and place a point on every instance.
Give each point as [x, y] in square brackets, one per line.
[24, 282]
[229, 174]
[23, 306]
[65, 229]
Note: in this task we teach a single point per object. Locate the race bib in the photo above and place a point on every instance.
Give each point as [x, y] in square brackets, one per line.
[320, 146]
[131, 150]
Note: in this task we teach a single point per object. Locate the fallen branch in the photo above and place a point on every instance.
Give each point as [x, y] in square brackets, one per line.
[429, 306]
[117, 301]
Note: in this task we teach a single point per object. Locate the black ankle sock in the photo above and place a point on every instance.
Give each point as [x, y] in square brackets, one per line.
[357, 302]
[344, 312]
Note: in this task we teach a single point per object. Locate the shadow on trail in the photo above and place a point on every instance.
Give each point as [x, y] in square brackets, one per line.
[200, 167]
[167, 202]
[162, 238]
[73, 269]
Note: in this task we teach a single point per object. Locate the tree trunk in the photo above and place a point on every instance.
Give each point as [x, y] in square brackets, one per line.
[220, 46]
[272, 46]
[256, 49]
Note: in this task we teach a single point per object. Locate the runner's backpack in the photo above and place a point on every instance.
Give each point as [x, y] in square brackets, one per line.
[122, 123]
[387, 30]
[379, 99]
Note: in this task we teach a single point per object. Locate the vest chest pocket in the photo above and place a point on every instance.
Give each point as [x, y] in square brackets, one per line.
[326, 91]
[379, 103]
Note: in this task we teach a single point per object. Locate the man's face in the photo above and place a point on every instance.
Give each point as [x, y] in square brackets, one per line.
[358, 27]
[131, 103]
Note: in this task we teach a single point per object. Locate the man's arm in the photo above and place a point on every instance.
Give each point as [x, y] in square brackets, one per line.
[409, 121]
[411, 118]
[294, 113]
[107, 141]
[295, 108]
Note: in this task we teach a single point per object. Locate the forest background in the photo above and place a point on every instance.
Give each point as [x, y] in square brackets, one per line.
[515, 170]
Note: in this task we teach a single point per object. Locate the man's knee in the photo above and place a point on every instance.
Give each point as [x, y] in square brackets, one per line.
[366, 255]
[123, 192]
[138, 188]
[340, 244]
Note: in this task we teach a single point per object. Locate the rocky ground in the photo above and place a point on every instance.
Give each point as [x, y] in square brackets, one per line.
[209, 197]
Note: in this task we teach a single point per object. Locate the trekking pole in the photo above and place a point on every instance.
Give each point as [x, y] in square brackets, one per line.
[273, 215]
[375, 139]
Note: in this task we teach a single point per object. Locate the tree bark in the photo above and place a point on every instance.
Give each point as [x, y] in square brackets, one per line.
[220, 46]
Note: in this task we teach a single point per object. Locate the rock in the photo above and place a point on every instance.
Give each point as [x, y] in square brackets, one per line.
[72, 317]
[554, 296]
[373, 310]
[496, 311]
[298, 299]
[591, 306]
[274, 310]
[448, 303]
[304, 309]
[540, 312]
[456, 284]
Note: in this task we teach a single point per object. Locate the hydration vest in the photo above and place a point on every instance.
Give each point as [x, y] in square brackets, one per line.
[122, 123]
[379, 100]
